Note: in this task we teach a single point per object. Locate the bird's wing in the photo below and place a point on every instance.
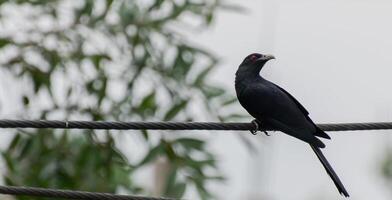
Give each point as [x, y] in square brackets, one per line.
[300, 106]
[303, 135]
[318, 132]
[269, 104]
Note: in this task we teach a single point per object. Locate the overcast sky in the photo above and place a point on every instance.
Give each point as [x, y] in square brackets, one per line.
[334, 57]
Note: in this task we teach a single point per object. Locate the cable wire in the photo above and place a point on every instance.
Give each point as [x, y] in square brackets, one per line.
[175, 125]
[68, 194]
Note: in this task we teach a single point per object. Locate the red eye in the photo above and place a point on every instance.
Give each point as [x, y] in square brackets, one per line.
[253, 58]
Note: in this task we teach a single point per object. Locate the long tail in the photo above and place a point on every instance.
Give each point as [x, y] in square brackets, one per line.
[330, 171]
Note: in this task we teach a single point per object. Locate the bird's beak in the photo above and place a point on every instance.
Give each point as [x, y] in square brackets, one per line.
[269, 57]
[266, 58]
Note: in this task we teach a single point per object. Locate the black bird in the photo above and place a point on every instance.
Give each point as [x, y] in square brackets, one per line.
[274, 107]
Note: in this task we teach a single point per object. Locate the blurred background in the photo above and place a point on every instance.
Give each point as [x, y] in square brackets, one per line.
[173, 60]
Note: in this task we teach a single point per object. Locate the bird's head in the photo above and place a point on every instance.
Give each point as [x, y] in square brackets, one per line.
[254, 62]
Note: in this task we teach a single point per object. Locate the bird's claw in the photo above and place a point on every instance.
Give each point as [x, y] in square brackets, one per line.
[257, 124]
[254, 132]
[257, 127]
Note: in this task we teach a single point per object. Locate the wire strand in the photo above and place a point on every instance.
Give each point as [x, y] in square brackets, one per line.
[5, 123]
[69, 194]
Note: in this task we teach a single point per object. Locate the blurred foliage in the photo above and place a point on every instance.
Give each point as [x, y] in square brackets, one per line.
[386, 166]
[66, 163]
[109, 60]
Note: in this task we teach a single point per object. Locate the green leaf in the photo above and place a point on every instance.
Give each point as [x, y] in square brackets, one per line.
[212, 91]
[169, 151]
[88, 8]
[199, 81]
[156, 5]
[153, 154]
[98, 58]
[148, 105]
[128, 12]
[204, 194]
[40, 79]
[102, 90]
[4, 42]
[174, 110]
[148, 101]
[52, 57]
[26, 100]
[183, 62]
[199, 164]
[190, 143]
[177, 190]
[121, 176]
[230, 101]
[144, 134]
[8, 161]
[15, 141]
[209, 17]
[109, 3]
[170, 183]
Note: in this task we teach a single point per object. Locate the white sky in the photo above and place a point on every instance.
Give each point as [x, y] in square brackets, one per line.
[334, 57]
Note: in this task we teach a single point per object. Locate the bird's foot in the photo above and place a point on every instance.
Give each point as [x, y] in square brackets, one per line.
[266, 133]
[257, 126]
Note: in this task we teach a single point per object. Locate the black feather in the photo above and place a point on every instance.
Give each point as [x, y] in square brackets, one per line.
[321, 133]
[318, 132]
[330, 171]
[278, 109]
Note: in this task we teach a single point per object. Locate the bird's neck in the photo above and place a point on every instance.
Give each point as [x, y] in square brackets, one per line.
[241, 76]
[244, 79]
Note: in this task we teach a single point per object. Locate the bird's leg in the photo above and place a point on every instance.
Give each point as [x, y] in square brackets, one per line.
[257, 124]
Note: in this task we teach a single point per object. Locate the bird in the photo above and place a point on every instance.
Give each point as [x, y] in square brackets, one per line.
[274, 107]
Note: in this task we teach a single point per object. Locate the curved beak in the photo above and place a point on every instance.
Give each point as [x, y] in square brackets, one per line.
[266, 58]
[269, 57]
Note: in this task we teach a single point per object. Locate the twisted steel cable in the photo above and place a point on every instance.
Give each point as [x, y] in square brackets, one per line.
[175, 125]
[68, 194]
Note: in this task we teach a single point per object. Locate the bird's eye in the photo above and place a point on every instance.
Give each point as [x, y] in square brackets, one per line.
[253, 58]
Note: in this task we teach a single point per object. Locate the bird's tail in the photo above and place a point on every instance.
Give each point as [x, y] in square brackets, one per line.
[330, 171]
